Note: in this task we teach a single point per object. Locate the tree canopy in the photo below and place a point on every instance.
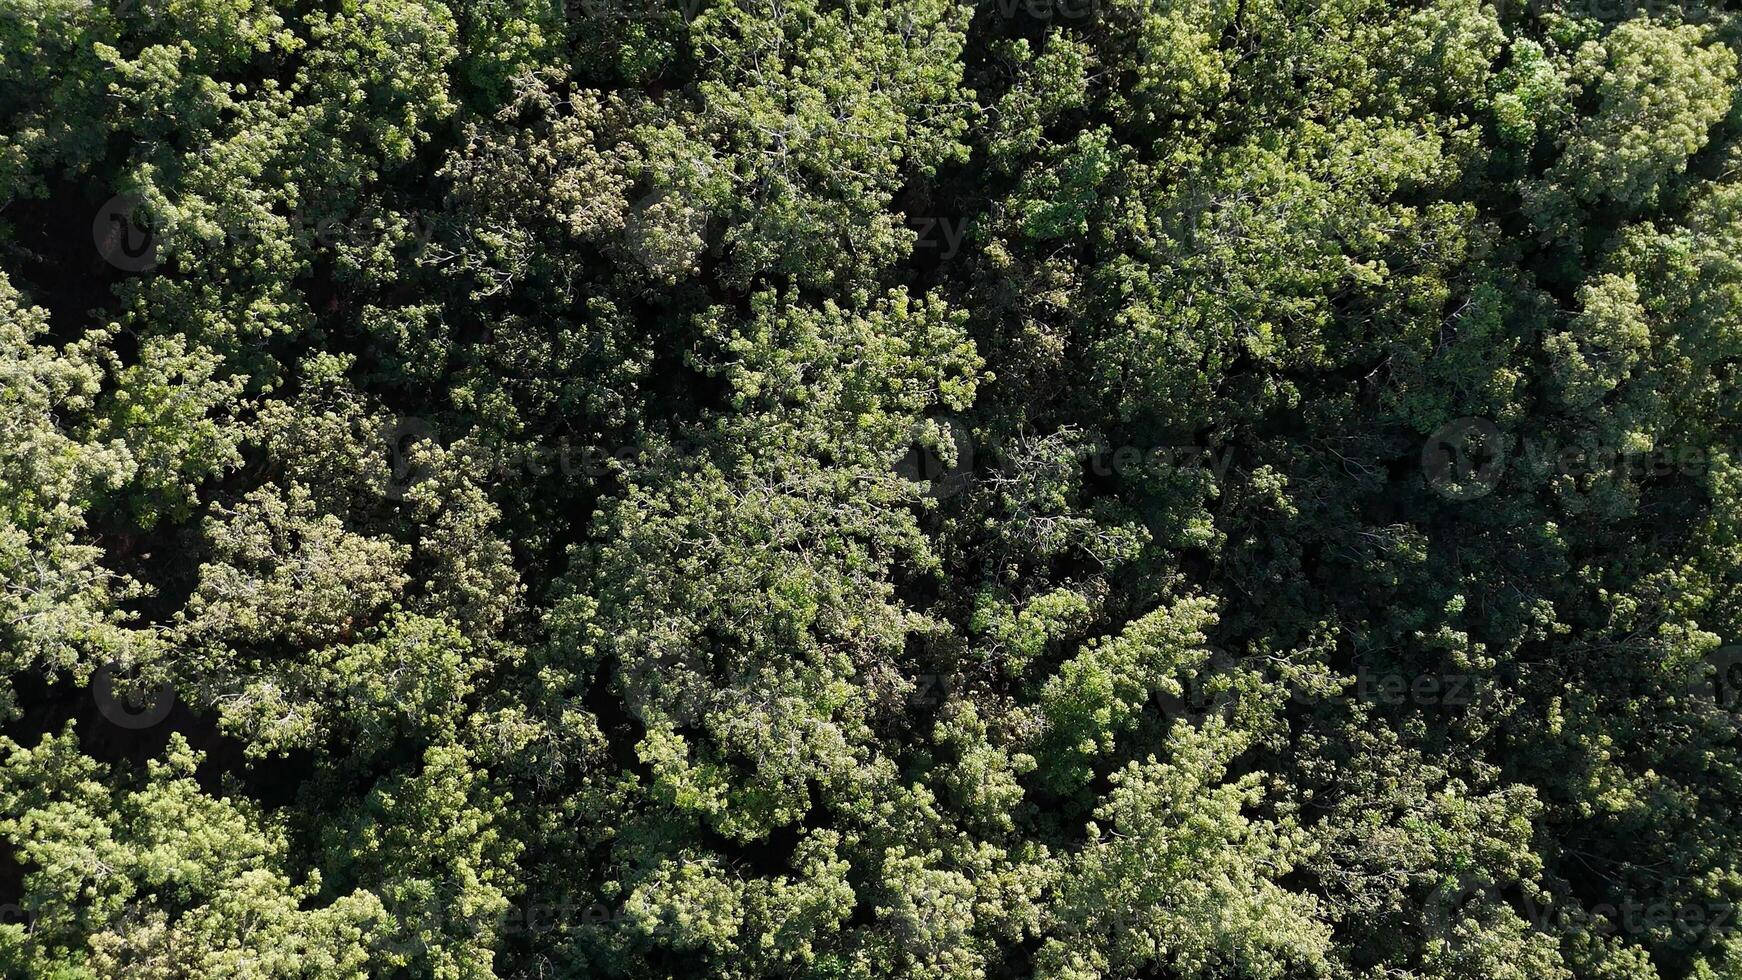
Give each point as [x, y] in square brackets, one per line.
[830, 489]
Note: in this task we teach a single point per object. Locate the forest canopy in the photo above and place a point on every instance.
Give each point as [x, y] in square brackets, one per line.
[849, 489]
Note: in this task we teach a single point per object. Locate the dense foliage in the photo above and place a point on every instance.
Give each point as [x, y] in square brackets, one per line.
[1072, 489]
